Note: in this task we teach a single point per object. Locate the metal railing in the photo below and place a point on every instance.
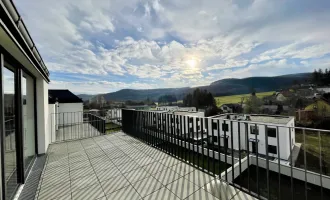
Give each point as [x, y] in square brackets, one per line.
[266, 160]
[75, 125]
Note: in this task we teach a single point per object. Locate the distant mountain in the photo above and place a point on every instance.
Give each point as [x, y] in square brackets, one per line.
[85, 97]
[218, 88]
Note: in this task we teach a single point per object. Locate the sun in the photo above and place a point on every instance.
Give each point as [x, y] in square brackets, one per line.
[191, 63]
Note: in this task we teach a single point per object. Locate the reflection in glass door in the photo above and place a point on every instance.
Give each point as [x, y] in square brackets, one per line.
[28, 120]
[10, 165]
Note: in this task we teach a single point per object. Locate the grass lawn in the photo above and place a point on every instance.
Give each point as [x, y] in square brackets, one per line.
[111, 127]
[312, 148]
[237, 98]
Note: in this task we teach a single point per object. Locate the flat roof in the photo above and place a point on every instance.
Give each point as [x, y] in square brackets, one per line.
[272, 119]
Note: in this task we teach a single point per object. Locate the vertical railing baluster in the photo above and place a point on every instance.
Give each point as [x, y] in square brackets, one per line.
[305, 163]
[172, 123]
[232, 152]
[267, 161]
[278, 162]
[248, 153]
[213, 149]
[257, 161]
[239, 151]
[181, 130]
[185, 138]
[207, 144]
[193, 140]
[321, 181]
[202, 143]
[225, 141]
[219, 154]
[291, 165]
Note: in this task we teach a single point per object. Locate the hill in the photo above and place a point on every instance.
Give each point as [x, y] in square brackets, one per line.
[85, 97]
[224, 87]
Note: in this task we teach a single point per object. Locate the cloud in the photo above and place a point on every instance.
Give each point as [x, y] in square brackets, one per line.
[153, 42]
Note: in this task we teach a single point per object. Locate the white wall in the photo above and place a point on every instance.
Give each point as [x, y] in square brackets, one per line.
[239, 135]
[43, 116]
[114, 114]
[52, 122]
[70, 113]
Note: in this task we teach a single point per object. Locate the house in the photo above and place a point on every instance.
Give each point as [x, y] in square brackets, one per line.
[64, 108]
[254, 128]
[280, 97]
[323, 89]
[231, 108]
[24, 80]
[320, 107]
[167, 108]
[66, 101]
[176, 108]
[272, 109]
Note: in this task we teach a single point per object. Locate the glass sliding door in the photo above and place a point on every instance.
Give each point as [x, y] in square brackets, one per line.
[10, 153]
[28, 95]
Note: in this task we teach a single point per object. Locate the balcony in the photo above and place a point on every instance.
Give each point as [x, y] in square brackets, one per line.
[118, 166]
[166, 156]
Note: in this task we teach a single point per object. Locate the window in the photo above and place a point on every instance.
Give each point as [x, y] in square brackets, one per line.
[225, 127]
[191, 130]
[214, 125]
[254, 130]
[271, 132]
[215, 138]
[190, 119]
[272, 149]
[224, 108]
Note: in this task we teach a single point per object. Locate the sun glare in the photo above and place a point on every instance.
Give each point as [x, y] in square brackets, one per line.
[192, 63]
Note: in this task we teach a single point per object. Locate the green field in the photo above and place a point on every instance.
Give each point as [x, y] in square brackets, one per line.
[111, 127]
[237, 98]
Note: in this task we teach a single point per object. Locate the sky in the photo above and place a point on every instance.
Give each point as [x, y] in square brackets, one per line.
[101, 46]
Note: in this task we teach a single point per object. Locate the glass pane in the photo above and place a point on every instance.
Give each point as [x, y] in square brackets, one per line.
[10, 124]
[28, 120]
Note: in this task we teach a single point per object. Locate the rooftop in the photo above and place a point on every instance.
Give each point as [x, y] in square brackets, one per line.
[63, 96]
[119, 166]
[272, 119]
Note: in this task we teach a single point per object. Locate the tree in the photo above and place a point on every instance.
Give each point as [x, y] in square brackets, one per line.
[199, 99]
[168, 98]
[252, 105]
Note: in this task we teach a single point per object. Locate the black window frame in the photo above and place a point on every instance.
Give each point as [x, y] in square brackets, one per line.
[215, 138]
[214, 125]
[271, 134]
[272, 149]
[7, 60]
[225, 127]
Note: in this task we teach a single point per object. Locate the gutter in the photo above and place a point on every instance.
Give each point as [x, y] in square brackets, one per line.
[17, 28]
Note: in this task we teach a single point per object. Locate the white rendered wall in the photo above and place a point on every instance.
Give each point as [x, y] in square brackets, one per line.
[283, 134]
[52, 122]
[42, 112]
[114, 114]
[70, 113]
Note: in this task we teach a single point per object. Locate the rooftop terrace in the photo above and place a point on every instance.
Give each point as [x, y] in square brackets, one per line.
[118, 166]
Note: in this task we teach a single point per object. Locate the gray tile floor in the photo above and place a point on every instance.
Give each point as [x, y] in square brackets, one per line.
[120, 167]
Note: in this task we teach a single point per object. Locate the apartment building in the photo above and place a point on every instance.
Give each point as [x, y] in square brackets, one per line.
[24, 116]
[240, 132]
[258, 130]
[176, 108]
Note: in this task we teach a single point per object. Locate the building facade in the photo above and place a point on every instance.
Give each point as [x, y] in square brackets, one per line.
[23, 102]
